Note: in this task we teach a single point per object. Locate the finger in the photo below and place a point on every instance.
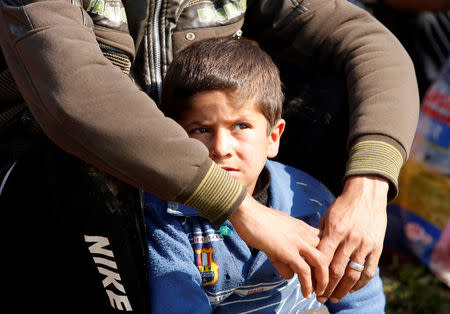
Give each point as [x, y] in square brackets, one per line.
[321, 225]
[327, 246]
[303, 272]
[309, 231]
[336, 270]
[317, 260]
[314, 231]
[311, 240]
[296, 264]
[350, 278]
[283, 269]
[308, 236]
[370, 269]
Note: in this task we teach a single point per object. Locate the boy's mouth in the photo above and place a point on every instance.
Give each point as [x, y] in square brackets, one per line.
[229, 169]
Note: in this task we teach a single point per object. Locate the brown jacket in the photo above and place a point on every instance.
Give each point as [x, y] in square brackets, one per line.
[96, 112]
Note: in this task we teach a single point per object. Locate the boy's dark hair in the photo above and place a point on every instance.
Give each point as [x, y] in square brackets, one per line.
[226, 64]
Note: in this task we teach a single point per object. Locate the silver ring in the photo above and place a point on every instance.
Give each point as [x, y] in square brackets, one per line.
[356, 266]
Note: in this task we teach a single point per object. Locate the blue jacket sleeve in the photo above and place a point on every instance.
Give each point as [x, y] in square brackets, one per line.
[175, 282]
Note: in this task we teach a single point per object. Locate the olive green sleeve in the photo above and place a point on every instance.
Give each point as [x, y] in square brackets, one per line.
[214, 206]
[376, 155]
[93, 110]
[381, 83]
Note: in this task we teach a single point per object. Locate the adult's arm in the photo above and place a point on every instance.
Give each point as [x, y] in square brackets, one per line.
[383, 108]
[92, 110]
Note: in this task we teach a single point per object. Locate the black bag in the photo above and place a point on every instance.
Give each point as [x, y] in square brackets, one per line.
[72, 238]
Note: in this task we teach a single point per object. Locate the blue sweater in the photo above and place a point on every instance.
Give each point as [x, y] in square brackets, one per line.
[193, 268]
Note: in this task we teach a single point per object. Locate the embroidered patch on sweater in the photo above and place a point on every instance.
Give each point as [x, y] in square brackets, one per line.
[208, 268]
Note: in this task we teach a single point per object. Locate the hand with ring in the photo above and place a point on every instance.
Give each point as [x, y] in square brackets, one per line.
[291, 247]
[353, 229]
[356, 266]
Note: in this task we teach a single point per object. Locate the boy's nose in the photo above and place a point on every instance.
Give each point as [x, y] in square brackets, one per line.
[221, 145]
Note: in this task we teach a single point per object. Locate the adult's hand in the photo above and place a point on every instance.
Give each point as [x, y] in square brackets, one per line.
[289, 243]
[353, 228]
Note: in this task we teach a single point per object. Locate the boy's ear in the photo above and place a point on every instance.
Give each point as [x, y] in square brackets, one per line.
[274, 138]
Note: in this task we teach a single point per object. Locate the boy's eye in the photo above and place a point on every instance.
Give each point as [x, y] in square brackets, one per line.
[199, 131]
[241, 126]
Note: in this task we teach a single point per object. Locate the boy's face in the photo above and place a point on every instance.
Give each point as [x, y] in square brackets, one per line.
[236, 136]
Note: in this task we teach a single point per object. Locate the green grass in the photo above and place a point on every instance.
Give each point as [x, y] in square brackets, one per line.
[410, 287]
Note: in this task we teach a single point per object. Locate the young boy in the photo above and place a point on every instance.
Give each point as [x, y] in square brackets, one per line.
[227, 94]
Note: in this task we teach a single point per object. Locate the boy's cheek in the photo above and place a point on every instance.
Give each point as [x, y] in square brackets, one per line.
[201, 138]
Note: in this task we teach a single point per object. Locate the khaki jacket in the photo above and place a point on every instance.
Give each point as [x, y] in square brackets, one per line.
[110, 118]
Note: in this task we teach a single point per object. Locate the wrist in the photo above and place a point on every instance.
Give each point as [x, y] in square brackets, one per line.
[243, 212]
[378, 156]
[244, 220]
[368, 185]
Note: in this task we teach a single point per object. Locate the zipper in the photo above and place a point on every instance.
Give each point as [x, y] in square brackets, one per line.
[154, 53]
[105, 47]
[154, 49]
[153, 44]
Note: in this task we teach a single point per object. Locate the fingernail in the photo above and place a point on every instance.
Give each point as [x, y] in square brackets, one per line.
[320, 292]
[334, 300]
[321, 299]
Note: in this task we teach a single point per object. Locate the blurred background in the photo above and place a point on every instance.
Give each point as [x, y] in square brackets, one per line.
[415, 264]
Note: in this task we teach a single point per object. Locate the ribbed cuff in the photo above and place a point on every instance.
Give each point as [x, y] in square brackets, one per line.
[376, 158]
[217, 196]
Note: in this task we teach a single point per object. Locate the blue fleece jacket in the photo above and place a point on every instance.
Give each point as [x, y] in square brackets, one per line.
[193, 268]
